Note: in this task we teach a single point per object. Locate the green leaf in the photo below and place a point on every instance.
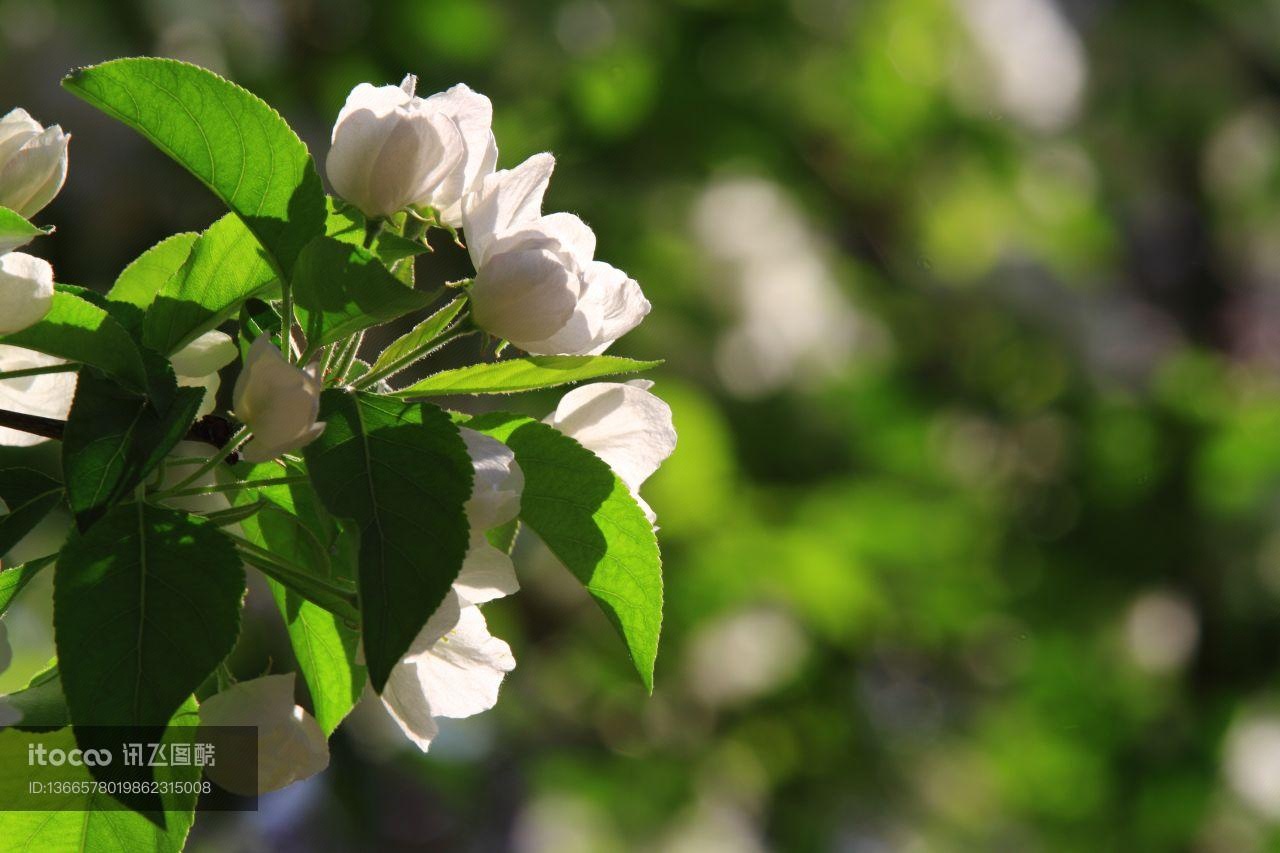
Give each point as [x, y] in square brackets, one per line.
[13, 579]
[16, 231]
[77, 330]
[417, 343]
[136, 287]
[522, 374]
[231, 140]
[114, 438]
[80, 821]
[344, 222]
[340, 289]
[257, 318]
[401, 473]
[295, 527]
[226, 267]
[146, 604]
[30, 495]
[590, 521]
[41, 703]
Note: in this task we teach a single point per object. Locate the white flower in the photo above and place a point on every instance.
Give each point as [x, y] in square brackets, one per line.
[537, 284]
[453, 669]
[278, 401]
[33, 163]
[503, 201]
[388, 151]
[26, 291]
[48, 394]
[291, 745]
[197, 364]
[472, 113]
[623, 424]
[487, 573]
[495, 493]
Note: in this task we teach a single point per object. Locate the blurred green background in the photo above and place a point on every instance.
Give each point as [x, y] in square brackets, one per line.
[971, 312]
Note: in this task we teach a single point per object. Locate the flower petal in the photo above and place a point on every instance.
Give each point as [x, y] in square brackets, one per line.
[504, 200]
[625, 425]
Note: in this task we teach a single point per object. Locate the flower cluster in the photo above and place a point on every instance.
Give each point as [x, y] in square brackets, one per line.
[537, 283]
[398, 158]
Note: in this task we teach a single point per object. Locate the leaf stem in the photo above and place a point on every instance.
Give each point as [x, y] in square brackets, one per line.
[409, 358]
[40, 371]
[233, 487]
[333, 598]
[211, 463]
[346, 357]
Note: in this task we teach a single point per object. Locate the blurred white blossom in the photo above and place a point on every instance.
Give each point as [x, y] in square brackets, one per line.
[1034, 55]
[1251, 761]
[1161, 631]
[791, 322]
[744, 654]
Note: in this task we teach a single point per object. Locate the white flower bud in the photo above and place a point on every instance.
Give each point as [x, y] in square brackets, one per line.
[26, 291]
[291, 745]
[388, 151]
[623, 424]
[278, 401]
[197, 364]
[33, 163]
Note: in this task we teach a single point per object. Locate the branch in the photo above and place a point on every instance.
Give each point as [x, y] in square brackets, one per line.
[210, 429]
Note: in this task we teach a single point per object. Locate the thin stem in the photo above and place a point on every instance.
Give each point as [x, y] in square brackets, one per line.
[421, 352]
[233, 487]
[346, 356]
[286, 320]
[211, 463]
[39, 371]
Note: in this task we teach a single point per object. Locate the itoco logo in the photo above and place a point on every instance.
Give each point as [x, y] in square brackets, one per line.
[38, 753]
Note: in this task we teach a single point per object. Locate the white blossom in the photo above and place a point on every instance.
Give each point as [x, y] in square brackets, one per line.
[389, 152]
[622, 423]
[537, 284]
[197, 364]
[455, 667]
[291, 745]
[26, 291]
[278, 401]
[33, 162]
[48, 395]
[472, 113]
